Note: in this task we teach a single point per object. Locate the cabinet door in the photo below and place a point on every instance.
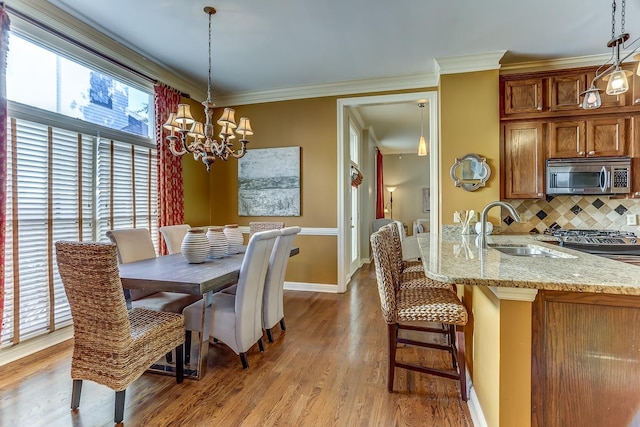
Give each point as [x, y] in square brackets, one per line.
[566, 90]
[523, 96]
[606, 137]
[567, 139]
[524, 161]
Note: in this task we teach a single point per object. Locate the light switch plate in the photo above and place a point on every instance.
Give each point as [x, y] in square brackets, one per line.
[632, 219]
[456, 217]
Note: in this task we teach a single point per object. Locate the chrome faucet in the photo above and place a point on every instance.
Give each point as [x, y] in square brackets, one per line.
[483, 219]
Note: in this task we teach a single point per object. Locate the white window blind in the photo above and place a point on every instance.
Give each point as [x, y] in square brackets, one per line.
[64, 185]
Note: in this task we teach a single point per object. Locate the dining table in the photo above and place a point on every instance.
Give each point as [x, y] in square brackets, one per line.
[172, 273]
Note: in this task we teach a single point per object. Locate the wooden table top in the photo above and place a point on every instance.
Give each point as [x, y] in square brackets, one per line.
[172, 273]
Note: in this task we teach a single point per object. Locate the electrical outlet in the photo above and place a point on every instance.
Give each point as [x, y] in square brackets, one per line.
[632, 219]
[456, 217]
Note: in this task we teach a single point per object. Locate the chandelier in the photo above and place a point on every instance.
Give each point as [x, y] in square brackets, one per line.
[610, 71]
[190, 136]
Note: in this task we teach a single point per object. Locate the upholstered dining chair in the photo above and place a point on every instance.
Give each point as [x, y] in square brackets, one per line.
[112, 346]
[135, 244]
[272, 300]
[173, 236]
[236, 320]
[416, 309]
[256, 226]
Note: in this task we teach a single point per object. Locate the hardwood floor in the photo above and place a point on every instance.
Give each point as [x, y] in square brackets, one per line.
[327, 369]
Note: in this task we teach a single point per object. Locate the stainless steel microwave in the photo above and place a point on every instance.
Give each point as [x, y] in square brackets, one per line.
[589, 176]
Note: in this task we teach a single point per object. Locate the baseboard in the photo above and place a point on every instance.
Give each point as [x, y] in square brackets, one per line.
[311, 287]
[477, 416]
[35, 345]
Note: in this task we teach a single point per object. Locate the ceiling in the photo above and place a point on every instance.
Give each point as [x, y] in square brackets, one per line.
[267, 45]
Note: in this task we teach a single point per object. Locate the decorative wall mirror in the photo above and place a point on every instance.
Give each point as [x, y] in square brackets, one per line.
[470, 172]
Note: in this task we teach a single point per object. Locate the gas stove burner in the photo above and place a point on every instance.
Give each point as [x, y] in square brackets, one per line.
[586, 233]
[602, 242]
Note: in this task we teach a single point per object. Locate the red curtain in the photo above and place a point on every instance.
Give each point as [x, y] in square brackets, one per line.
[4, 47]
[379, 186]
[170, 185]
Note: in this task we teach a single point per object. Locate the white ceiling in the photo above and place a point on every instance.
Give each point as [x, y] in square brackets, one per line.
[261, 45]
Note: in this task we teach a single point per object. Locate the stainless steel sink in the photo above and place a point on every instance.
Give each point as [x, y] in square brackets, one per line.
[528, 250]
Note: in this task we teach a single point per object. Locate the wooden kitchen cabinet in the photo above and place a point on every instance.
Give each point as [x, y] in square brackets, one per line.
[523, 96]
[523, 156]
[601, 137]
[565, 91]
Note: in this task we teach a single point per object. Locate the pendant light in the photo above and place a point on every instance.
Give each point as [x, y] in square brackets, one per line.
[422, 145]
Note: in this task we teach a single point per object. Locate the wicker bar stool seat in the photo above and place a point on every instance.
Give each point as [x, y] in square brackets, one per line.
[112, 346]
[415, 309]
[406, 274]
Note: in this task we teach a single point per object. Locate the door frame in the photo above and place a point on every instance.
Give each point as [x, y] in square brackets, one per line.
[344, 183]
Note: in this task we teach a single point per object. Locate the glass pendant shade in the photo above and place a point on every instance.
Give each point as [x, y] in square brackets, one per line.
[591, 99]
[618, 83]
[422, 147]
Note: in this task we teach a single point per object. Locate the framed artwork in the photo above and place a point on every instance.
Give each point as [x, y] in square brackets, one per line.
[425, 199]
[269, 182]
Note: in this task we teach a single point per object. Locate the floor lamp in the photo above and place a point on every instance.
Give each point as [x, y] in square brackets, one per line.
[391, 190]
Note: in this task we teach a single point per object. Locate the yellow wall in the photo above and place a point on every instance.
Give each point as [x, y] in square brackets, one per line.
[515, 363]
[485, 352]
[469, 123]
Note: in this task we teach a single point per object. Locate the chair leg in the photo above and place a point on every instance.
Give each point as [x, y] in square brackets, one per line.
[169, 357]
[187, 347]
[392, 330]
[179, 364]
[119, 414]
[243, 359]
[462, 364]
[75, 394]
[282, 325]
[269, 335]
[452, 343]
[261, 344]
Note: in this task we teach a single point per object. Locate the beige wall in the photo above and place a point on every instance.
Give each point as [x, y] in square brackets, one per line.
[469, 123]
[410, 174]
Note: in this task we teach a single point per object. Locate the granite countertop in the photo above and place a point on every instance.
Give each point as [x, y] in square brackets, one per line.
[457, 258]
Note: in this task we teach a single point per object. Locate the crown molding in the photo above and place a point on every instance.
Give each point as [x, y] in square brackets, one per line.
[554, 64]
[469, 63]
[349, 87]
[63, 22]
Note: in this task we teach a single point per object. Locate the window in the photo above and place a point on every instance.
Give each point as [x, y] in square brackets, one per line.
[80, 161]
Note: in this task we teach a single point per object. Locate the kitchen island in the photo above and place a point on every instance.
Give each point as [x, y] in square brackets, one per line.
[552, 341]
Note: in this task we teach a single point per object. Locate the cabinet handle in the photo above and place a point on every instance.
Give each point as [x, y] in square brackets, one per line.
[581, 153]
[539, 108]
[540, 194]
[591, 153]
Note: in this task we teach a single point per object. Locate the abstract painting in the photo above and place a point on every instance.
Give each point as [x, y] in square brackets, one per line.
[269, 182]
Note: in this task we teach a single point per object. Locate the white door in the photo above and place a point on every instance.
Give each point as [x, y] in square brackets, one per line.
[354, 222]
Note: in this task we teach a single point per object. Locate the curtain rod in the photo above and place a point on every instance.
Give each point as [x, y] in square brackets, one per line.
[81, 45]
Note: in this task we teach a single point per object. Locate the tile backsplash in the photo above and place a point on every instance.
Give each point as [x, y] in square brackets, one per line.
[590, 212]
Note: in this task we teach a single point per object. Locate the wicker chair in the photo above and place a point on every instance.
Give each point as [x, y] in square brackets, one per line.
[254, 227]
[173, 236]
[135, 244]
[407, 274]
[423, 305]
[112, 346]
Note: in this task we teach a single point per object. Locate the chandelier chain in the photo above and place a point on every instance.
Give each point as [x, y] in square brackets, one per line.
[209, 76]
[622, 17]
[613, 19]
